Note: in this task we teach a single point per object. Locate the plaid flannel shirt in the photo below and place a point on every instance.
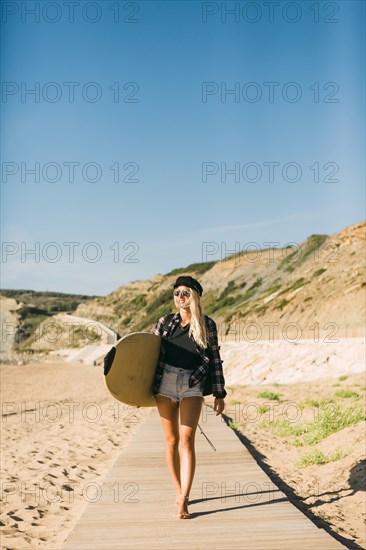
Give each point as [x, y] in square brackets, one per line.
[210, 357]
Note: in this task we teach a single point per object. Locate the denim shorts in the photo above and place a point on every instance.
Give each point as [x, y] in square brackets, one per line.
[174, 384]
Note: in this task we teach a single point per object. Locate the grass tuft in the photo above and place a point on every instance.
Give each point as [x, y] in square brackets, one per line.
[233, 425]
[347, 394]
[316, 456]
[330, 420]
[269, 395]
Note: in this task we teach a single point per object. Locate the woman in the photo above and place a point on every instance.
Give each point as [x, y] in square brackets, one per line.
[189, 347]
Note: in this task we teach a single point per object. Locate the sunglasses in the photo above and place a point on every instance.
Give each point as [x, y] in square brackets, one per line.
[184, 293]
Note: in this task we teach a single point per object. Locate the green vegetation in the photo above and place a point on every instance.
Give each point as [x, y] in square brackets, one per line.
[119, 308]
[330, 420]
[282, 427]
[27, 312]
[269, 395]
[165, 299]
[347, 393]
[316, 456]
[343, 377]
[308, 402]
[126, 321]
[298, 257]
[319, 272]
[139, 301]
[244, 313]
[159, 306]
[50, 302]
[263, 409]
[244, 253]
[271, 290]
[197, 268]
[297, 284]
[38, 306]
[83, 335]
[212, 304]
[233, 425]
[281, 304]
[260, 309]
[221, 303]
[253, 289]
[234, 402]
[29, 320]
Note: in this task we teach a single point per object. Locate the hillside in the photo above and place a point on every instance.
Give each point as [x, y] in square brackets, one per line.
[24, 311]
[315, 290]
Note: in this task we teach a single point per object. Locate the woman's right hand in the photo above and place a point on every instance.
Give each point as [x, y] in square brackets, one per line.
[219, 405]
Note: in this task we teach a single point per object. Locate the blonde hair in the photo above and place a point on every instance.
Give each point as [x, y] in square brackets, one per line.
[197, 327]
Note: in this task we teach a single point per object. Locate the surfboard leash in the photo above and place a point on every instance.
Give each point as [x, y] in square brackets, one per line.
[203, 433]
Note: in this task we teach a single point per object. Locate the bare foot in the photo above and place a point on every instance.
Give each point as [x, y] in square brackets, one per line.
[182, 502]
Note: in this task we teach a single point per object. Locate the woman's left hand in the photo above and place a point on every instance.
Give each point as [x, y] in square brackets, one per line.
[219, 405]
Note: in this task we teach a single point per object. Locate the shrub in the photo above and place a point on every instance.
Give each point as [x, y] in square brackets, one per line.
[282, 304]
[347, 393]
[252, 290]
[319, 272]
[165, 298]
[312, 243]
[126, 321]
[269, 395]
[139, 301]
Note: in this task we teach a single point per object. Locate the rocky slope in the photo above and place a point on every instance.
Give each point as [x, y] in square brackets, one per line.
[314, 290]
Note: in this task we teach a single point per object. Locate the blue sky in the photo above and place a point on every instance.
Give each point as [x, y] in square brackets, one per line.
[172, 130]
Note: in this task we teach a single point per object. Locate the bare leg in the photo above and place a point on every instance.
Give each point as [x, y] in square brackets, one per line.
[190, 410]
[169, 418]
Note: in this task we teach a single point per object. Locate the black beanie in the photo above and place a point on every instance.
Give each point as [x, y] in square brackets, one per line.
[187, 280]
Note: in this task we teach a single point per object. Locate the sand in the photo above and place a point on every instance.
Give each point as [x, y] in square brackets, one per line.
[57, 447]
[332, 494]
[61, 432]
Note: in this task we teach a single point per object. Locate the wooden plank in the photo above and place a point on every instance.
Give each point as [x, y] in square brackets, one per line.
[233, 503]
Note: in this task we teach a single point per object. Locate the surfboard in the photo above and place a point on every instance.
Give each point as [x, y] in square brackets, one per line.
[129, 368]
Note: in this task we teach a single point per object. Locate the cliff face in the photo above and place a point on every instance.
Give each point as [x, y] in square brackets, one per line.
[314, 290]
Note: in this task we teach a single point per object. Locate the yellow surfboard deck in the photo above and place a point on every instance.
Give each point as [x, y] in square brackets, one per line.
[131, 375]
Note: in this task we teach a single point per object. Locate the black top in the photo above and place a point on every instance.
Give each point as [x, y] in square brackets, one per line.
[180, 349]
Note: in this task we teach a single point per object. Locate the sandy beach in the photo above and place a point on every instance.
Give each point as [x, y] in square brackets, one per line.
[61, 431]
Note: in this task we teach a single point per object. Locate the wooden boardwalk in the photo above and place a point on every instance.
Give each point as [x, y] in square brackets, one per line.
[234, 504]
